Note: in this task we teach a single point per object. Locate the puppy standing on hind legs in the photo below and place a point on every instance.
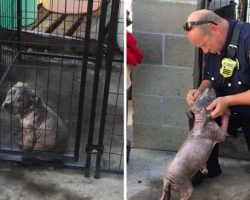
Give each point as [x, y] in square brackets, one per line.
[42, 128]
[196, 149]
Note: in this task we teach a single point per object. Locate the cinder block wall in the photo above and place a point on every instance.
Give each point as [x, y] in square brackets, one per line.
[161, 82]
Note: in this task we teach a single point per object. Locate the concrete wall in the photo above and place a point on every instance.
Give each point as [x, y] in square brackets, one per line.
[161, 82]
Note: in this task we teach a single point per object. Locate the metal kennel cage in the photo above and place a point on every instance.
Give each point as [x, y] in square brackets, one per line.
[70, 52]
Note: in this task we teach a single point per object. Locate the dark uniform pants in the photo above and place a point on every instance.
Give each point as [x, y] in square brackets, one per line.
[236, 121]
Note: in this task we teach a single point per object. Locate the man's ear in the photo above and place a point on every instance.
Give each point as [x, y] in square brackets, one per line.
[213, 27]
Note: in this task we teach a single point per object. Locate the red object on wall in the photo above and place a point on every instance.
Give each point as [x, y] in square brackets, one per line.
[134, 55]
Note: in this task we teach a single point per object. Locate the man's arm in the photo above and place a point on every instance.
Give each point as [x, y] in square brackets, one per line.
[204, 84]
[219, 105]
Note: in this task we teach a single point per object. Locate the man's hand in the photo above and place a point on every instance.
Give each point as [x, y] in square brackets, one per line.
[218, 107]
[192, 95]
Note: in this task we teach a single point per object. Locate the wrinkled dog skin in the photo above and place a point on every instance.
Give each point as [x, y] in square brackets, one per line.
[195, 151]
[42, 128]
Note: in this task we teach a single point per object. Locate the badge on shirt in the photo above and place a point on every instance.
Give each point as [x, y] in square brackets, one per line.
[227, 67]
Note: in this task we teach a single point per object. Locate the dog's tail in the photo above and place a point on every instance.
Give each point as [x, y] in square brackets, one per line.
[166, 194]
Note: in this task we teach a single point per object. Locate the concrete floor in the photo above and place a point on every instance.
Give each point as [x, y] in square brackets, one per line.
[146, 168]
[18, 183]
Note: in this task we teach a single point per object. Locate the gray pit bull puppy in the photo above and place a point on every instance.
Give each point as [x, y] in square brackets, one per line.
[196, 149]
[42, 128]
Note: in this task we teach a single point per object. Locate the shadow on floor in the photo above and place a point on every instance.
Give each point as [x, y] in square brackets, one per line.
[146, 169]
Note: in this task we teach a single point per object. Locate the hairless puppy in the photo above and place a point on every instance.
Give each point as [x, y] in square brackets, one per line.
[42, 128]
[195, 151]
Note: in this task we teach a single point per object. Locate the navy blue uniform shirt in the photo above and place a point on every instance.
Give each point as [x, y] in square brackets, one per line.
[240, 80]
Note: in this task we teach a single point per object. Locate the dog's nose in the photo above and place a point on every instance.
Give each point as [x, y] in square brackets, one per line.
[5, 105]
